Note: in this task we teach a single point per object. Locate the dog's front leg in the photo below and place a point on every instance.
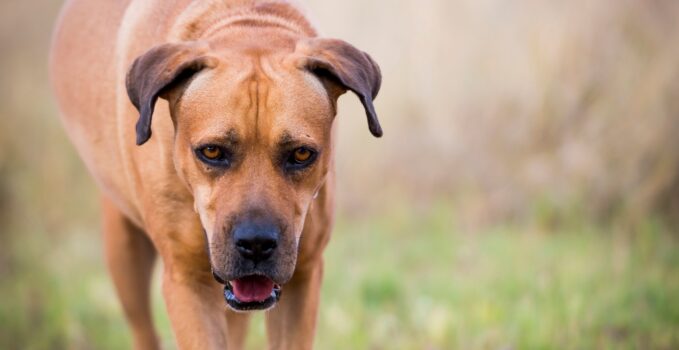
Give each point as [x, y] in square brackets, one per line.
[194, 300]
[291, 324]
[196, 308]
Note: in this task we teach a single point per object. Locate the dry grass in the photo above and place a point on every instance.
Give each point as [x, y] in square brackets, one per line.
[502, 105]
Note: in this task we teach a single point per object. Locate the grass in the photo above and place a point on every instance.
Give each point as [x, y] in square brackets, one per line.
[406, 280]
[514, 111]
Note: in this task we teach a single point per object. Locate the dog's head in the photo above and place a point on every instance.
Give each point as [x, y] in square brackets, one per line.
[253, 143]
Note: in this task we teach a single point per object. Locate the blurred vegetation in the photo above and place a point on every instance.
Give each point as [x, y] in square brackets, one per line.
[399, 281]
[525, 195]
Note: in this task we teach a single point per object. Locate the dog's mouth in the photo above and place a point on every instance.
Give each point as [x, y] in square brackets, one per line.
[253, 292]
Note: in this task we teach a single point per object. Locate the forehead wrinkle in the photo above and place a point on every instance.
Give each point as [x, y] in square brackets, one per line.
[269, 64]
[253, 98]
[262, 116]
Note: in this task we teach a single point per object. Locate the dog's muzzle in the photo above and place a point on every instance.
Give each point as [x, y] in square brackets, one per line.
[255, 242]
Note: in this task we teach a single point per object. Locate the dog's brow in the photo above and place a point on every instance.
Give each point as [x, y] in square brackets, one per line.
[286, 139]
[229, 139]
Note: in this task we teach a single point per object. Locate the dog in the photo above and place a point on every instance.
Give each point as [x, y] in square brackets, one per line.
[208, 127]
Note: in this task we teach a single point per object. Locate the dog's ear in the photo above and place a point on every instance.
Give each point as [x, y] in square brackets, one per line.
[348, 67]
[157, 71]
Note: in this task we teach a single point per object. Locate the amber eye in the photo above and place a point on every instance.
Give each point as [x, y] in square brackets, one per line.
[300, 158]
[212, 152]
[301, 155]
[213, 155]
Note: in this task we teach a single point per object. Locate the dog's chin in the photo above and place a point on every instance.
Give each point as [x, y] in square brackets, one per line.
[252, 292]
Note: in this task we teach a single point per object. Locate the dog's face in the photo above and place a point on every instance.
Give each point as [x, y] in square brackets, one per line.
[253, 143]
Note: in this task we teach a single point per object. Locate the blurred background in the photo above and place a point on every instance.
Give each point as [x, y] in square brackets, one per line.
[525, 194]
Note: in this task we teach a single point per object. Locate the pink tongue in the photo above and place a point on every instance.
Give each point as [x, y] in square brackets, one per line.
[252, 288]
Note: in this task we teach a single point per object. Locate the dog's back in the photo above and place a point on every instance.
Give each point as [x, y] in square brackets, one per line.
[83, 76]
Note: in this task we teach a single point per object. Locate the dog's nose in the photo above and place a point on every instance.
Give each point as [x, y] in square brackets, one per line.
[256, 240]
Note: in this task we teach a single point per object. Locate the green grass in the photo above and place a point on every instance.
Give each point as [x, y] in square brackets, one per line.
[407, 280]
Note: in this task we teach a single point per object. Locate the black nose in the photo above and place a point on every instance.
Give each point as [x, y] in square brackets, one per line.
[256, 240]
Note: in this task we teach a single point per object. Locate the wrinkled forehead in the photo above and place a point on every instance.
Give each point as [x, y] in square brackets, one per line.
[260, 98]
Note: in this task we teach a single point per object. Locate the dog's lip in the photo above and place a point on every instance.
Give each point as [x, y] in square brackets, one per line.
[237, 305]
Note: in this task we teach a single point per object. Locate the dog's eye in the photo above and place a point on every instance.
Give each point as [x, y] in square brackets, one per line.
[300, 157]
[211, 152]
[213, 155]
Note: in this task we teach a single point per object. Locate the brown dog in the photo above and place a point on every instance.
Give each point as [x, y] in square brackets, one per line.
[240, 162]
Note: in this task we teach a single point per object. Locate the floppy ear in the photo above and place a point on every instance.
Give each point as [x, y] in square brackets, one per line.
[349, 67]
[158, 70]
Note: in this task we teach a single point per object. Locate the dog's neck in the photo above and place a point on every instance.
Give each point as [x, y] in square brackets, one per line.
[205, 19]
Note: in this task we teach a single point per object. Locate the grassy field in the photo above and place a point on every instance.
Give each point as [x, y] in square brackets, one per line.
[406, 280]
[517, 112]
